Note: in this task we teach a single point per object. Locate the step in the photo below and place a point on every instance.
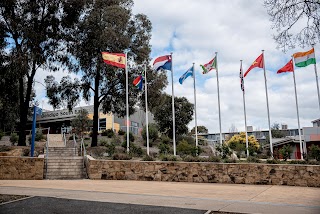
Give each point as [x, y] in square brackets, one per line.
[64, 154]
[65, 177]
[65, 171]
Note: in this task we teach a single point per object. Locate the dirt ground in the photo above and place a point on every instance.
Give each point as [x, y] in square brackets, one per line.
[6, 198]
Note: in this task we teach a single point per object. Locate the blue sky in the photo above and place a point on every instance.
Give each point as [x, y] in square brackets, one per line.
[195, 30]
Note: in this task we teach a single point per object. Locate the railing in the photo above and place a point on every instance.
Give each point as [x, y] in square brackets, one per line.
[84, 154]
[64, 139]
[47, 152]
[75, 144]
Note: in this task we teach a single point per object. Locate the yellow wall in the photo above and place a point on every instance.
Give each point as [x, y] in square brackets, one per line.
[108, 120]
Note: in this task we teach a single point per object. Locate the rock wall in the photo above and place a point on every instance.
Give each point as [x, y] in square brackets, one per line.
[21, 168]
[237, 173]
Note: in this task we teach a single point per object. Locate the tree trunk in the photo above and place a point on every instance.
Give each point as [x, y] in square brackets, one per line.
[96, 103]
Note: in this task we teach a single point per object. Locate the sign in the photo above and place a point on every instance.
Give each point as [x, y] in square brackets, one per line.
[49, 115]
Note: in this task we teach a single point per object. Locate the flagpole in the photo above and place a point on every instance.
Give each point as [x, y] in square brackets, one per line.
[265, 84]
[315, 71]
[127, 102]
[244, 110]
[146, 101]
[173, 112]
[218, 97]
[295, 92]
[195, 104]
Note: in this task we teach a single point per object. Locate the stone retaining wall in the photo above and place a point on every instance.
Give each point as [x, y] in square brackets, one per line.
[21, 168]
[238, 173]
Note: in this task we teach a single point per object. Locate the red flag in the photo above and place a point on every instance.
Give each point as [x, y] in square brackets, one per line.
[287, 68]
[257, 63]
[114, 59]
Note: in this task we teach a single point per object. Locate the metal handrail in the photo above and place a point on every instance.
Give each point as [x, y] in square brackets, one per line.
[75, 144]
[64, 139]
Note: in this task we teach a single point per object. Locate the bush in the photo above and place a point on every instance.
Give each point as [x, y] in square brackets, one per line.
[104, 142]
[148, 158]
[39, 136]
[14, 138]
[298, 162]
[111, 148]
[131, 137]
[108, 132]
[215, 159]
[121, 156]
[285, 151]
[121, 132]
[97, 151]
[164, 148]
[168, 158]
[228, 160]
[195, 159]
[135, 150]
[165, 139]
[252, 159]
[116, 140]
[5, 148]
[273, 161]
[224, 150]
[1, 134]
[189, 139]
[315, 152]
[153, 132]
[184, 148]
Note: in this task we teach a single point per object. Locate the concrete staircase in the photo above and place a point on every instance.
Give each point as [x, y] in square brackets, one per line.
[64, 163]
[56, 140]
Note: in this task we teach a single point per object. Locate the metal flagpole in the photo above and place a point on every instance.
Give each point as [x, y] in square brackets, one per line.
[218, 97]
[244, 109]
[295, 92]
[127, 103]
[195, 104]
[146, 100]
[265, 84]
[173, 113]
[315, 71]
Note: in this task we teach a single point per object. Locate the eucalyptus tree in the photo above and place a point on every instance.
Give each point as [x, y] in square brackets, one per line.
[106, 26]
[36, 36]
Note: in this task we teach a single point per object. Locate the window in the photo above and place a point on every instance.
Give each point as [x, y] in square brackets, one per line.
[102, 123]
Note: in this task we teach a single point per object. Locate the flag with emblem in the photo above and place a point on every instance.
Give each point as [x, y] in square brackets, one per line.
[209, 66]
[258, 63]
[114, 59]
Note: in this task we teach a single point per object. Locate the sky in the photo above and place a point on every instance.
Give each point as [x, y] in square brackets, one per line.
[237, 30]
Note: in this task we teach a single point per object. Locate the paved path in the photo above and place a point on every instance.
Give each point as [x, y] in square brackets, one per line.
[215, 197]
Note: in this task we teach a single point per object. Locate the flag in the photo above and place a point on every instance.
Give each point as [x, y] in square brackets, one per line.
[138, 82]
[241, 80]
[162, 62]
[188, 73]
[303, 59]
[287, 68]
[114, 59]
[209, 66]
[258, 63]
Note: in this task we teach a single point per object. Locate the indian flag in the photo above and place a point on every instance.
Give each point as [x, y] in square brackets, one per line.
[303, 59]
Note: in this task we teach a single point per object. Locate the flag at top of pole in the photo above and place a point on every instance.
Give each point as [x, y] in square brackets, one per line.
[138, 82]
[303, 59]
[287, 68]
[258, 63]
[187, 74]
[163, 62]
[209, 66]
[114, 59]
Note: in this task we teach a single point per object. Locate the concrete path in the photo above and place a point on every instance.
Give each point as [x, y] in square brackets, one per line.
[214, 197]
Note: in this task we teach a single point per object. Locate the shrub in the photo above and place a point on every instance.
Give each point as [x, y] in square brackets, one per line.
[195, 159]
[103, 142]
[184, 148]
[5, 148]
[135, 150]
[116, 140]
[168, 158]
[165, 139]
[148, 158]
[252, 159]
[228, 160]
[273, 161]
[97, 151]
[224, 150]
[14, 138]
[121, 132]
[315, 152]
[131, 137]
[121, 156]
[108, 132]
[215, 159]
[164, 148]
[153, 132]
[188, 139]
[39, 136]
[298, 162]
[285, 151]
[111, 148]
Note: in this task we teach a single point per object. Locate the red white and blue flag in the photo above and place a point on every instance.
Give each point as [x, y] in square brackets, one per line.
[162, 62]
[138, 82]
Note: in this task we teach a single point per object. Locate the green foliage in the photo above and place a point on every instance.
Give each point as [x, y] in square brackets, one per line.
[108, 132]
[111, 148]
[273, 161]
[103, 142]
[215, 159]
[148, 158]
[252, 159]
[1, 134]
[200, 129]
[285, 151]
[121, 132]
[39, 136]
[121, 156]
[135, 151]
[81, 122]
[276, 132]
[14, 138]
[183, 115]
[314, 152]
[164, 148]
[153, 133]
[168, 158]
[224, 150]
[228, 160]
[165, 139]
[131, 137]
[97, 151]
[116, 140]
[5, 148]
[189, 139]
[184, 148]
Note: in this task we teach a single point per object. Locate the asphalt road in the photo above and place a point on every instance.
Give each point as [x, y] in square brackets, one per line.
[47, 205]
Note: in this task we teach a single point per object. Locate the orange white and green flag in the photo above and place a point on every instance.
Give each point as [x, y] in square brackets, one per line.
[303, 59]
[114, 59]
